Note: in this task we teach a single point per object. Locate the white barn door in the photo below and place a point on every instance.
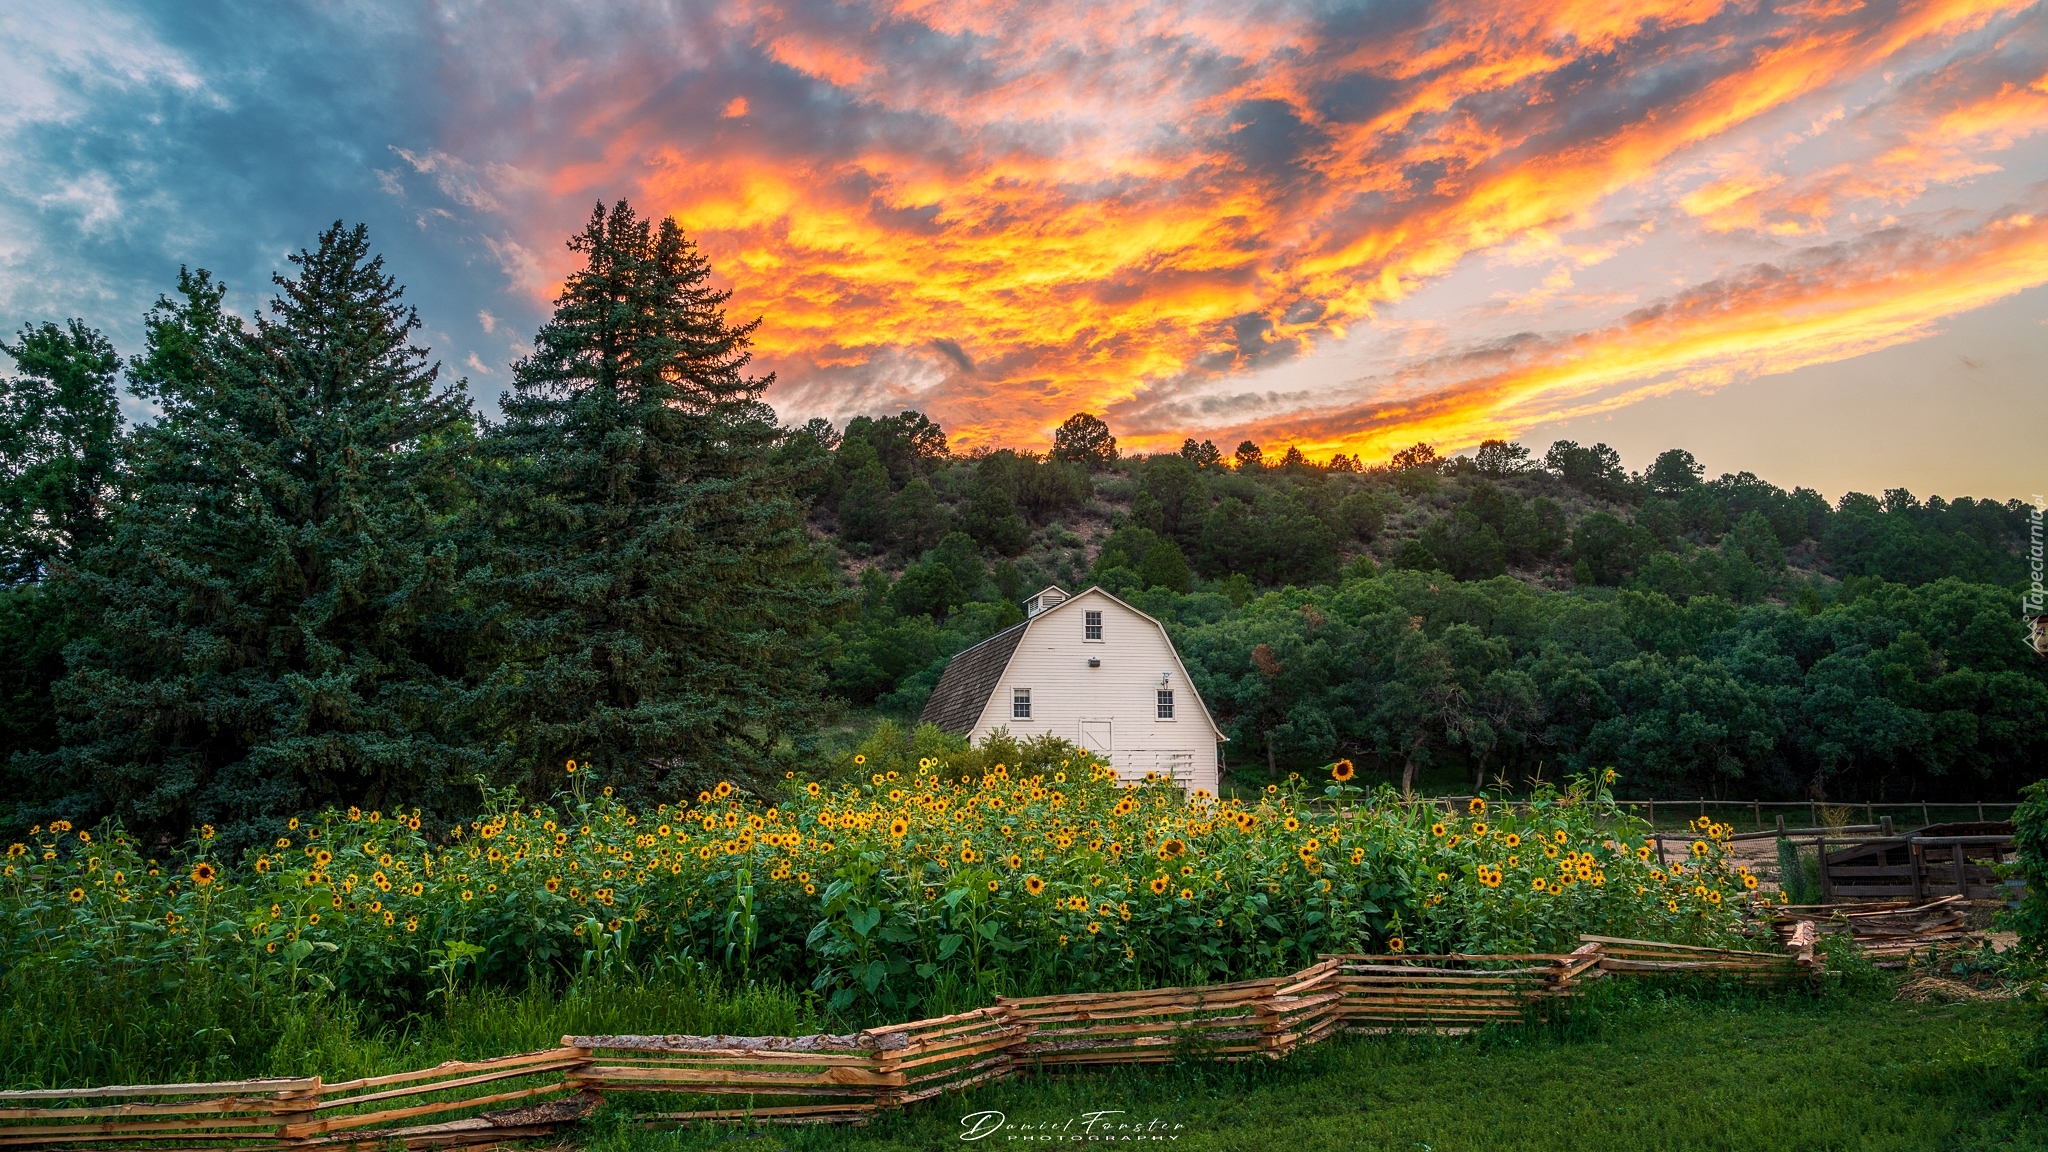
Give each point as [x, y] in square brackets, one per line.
[1097, 737]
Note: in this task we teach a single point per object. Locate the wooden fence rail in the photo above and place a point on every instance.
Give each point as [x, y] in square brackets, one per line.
[847, 1078]
[1979, 810]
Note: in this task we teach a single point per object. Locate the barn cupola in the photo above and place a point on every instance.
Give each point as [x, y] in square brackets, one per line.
[1050, 597]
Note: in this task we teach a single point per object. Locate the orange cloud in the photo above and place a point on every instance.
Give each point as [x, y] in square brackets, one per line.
[1821, 305]
[1005, 212]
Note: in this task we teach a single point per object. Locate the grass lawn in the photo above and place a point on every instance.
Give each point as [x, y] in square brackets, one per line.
[1640, 1070]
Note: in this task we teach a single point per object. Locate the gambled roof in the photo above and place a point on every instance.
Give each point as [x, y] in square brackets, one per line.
[964, 687]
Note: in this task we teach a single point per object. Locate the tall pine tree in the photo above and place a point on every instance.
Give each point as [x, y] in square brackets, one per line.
[60, 429]
[661, 593]
[278, 624]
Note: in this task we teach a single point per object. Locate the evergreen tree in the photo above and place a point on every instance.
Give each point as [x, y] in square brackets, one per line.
[1361, 515]
[993, 521]
[59, 430]
[1170, 499]
[661, 591]
[1084, 439]
[1164, 566]
[917, 520]
[864, 508]
[275, 608]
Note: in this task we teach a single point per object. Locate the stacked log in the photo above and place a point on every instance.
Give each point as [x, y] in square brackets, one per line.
[1643, 957]
[1888, 931]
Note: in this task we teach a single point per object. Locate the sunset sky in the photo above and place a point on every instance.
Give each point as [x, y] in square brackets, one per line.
[1804, 239]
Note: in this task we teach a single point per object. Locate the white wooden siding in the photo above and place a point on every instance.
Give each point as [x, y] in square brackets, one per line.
[1116, 703]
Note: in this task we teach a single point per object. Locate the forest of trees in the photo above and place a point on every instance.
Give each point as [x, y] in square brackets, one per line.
[318, 576]
[1497, 615]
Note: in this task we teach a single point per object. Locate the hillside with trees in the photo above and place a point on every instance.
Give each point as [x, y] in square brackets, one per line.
[1497, 614]
[317, 576]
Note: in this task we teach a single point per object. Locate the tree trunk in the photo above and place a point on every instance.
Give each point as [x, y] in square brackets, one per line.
[1408, 777]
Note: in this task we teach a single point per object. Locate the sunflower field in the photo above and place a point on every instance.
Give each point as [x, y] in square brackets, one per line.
[911, 890]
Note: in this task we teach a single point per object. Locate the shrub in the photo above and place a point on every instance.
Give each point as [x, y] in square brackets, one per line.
[1798, 874]
[2030, 833]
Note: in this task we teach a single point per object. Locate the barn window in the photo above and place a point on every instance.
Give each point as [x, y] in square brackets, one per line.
[1166, 703]
[1091, 625]
[1020, 703]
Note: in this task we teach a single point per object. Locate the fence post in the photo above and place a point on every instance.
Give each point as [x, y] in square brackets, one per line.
[1813, 813]
[307, 1101]
[1757, 806]
[1980, 811]
[1887, 822]
[1869, 815]
[1820, 852]
[1926, 816]
[1781, 823]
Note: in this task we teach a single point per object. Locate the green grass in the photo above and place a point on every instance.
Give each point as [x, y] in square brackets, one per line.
[56, 1033]
[1636, 1070]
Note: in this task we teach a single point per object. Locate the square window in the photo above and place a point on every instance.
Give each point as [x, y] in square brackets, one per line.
[1020, 703]
[1166, 703]
[1091, 625]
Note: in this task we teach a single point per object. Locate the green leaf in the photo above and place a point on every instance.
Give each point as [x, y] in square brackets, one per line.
[863, 920]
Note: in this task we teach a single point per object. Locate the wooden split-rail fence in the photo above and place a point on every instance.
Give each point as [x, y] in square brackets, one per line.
[848, 1078]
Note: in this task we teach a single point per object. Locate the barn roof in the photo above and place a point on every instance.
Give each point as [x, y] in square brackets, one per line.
[964, 686]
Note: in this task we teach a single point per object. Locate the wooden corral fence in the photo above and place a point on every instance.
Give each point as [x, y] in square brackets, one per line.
[1940, 860]
[847, 1078]
[374, 1112]
[1733, 811]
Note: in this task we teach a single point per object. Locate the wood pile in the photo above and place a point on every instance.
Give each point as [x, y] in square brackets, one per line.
[848, 1078]
[1643, 957]
[1888, 930]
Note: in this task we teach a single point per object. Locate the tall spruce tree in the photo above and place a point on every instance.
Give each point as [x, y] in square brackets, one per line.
[275, 599]
[662, 593]
[60, 434]
[59, 431]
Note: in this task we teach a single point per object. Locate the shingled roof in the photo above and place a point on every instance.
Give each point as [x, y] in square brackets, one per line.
[964, 686]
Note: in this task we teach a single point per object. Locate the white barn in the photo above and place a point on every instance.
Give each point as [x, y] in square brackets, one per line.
[1091, 669]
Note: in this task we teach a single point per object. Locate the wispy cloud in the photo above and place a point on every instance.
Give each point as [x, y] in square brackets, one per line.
[1131, 208]
[1348, 225]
